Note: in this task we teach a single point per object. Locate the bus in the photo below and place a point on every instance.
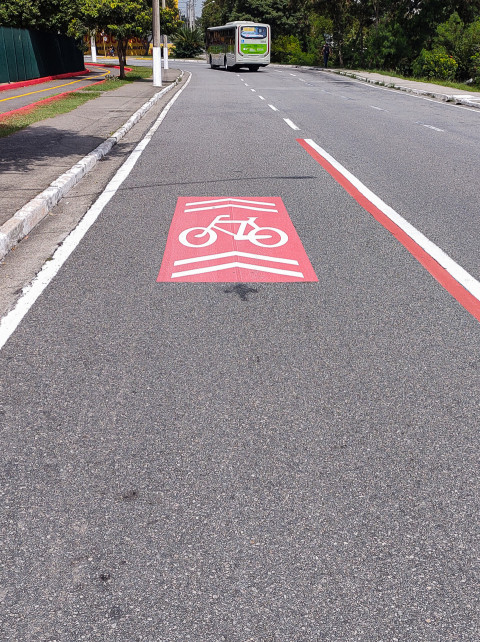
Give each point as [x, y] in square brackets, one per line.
[238, 44]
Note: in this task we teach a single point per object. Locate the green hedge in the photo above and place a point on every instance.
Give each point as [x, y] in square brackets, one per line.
[25, 55]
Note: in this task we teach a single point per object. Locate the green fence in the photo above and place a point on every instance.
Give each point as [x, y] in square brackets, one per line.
[26, 54]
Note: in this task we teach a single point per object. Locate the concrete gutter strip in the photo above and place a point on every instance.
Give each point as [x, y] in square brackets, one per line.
[458, 98]
[25, 219]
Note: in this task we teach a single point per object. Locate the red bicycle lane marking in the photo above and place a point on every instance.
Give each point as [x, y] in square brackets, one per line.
[232, 239]
[451, 276]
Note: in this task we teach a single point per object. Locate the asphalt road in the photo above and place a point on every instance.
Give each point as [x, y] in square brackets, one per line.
[264, 461]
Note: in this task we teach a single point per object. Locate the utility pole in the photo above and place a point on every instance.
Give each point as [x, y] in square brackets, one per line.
[157, 60]
[192, 14]
[93, 46]
[165, 45]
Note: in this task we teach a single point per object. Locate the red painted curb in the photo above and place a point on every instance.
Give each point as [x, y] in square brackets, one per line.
[37, 81]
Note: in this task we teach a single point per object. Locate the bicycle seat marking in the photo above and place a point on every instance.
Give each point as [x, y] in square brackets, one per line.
[232, 239]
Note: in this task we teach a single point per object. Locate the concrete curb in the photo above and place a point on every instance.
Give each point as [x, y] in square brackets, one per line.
[458, 99]
[25, 219]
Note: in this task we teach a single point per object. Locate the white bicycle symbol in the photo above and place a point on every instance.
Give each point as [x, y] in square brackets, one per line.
[256, 235]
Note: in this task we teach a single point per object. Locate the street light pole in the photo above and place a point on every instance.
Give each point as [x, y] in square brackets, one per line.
[165, 45]
[157, 61]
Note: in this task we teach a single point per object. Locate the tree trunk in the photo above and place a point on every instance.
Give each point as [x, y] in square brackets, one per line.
[122, 56]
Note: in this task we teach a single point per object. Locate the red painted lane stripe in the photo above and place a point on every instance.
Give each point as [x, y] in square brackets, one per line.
[28, 108]
[37, 81]
[463, 296]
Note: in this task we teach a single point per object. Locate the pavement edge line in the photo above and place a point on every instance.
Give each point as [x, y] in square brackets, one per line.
[31, 292]
[446, 98]
[455, 279]
[28, 216]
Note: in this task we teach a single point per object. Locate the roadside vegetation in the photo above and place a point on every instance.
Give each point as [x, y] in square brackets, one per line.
[63, 104]
[435, 40]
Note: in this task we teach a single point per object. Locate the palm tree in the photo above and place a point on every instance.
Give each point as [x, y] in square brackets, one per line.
[188, 42]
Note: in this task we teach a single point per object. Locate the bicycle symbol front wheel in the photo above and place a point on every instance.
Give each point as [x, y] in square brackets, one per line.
[188, 237]
[267, 237]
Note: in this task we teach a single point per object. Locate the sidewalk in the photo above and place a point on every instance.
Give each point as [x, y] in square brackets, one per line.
[447, 94]
[39, 164]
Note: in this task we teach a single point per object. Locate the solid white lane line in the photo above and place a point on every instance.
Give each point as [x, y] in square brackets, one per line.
[454, 269]
[290, 124]
[406, 93]
[30, 294]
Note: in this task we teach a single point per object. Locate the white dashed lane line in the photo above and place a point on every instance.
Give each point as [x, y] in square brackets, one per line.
[290, 124]
[437, 129]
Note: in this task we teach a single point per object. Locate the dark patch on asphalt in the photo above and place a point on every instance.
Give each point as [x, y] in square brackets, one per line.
[242, 290]
[130, 495]
[115, 613]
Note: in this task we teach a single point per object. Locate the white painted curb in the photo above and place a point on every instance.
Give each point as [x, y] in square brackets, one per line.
[25, 219]
[448, 98]
[458, 99]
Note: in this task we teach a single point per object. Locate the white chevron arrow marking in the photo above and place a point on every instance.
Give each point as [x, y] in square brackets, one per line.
[230, 200]
[227, 266]
[237, 207]
[224, 255]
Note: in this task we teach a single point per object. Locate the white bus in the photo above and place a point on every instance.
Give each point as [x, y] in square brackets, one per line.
[239, 44]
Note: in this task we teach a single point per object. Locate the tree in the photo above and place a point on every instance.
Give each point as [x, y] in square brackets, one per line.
[41, 15]
[460, 41]
[122, 19]
[286, 17]
[188, 42]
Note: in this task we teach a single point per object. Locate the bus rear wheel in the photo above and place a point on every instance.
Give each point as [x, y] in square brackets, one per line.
[254, 67]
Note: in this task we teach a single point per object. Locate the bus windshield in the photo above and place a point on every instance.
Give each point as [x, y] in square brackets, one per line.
[254, 33]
